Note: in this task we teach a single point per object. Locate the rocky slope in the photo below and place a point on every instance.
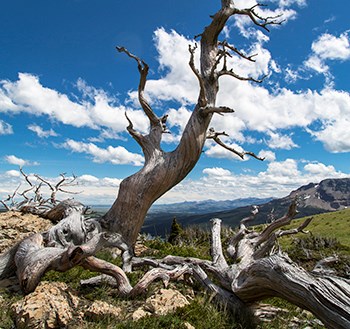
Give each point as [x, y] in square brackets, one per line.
[329, 194]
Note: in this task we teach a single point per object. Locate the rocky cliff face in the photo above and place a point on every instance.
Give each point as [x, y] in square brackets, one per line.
[329, 194]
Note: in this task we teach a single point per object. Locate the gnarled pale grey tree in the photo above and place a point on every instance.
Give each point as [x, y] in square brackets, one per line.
[163, 170]
[258, 270]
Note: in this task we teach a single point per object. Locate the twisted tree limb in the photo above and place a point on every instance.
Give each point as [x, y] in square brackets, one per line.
[212, 134]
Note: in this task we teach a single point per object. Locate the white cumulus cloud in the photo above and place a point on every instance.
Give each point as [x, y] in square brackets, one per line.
[328, 48]
[278, 141]
[12, 159]
[268, 156]
[321, 113]
[88, 178]
[94, 109]
[115, 155]
[217, 172]
[277, 180]
[41, 132]
[13, 173]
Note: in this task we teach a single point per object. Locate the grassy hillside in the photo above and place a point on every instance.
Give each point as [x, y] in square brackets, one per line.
[334, 225]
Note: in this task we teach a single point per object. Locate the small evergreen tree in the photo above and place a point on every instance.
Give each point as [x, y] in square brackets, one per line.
[175, 231]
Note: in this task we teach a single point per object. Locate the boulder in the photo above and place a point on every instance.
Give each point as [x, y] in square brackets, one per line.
[99, 309]
[51, 305]
[15, 226]
[163, 302]
[140, 313]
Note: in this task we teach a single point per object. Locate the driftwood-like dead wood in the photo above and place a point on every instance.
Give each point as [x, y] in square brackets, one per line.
[260, 271]
[62, 247]
[60, 186]
[33, 201]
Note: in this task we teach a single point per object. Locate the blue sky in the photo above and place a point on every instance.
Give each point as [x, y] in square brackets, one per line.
[64, 90]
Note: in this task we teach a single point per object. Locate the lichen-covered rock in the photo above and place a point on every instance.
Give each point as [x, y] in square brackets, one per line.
[165, 301]
[15, 226]
[99, 309]
[161, 303]
[51, 305]
[140, 313]
[140, 248]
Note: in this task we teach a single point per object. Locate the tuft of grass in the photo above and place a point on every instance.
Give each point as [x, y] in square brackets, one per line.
[72, 277]
[161, 249]
[7, 298]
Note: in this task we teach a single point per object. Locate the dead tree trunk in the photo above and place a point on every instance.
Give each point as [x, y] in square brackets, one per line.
[163, 170]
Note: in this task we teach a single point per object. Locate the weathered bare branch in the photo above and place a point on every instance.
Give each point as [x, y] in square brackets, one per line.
[322, 266]
[237, 249]
[64, 181]
[223, 54]
[143, 69]
[25, 176]
[257, 19]
[212, 134]
[283, 221]
[223, 296]
[134, 133]
[24, 194]
[11, 198]
[37, 194]
[159, 273]
[101, 266]
[276, 275]
[3, 202]
[299, 229]
[219, 110]
[163, 121]
[216, 246]
[202, 98]
[237, 76]
[225, 44]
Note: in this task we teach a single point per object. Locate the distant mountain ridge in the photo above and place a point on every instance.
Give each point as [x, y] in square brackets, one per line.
[329, 194]
[202, 207]
[313, 198]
